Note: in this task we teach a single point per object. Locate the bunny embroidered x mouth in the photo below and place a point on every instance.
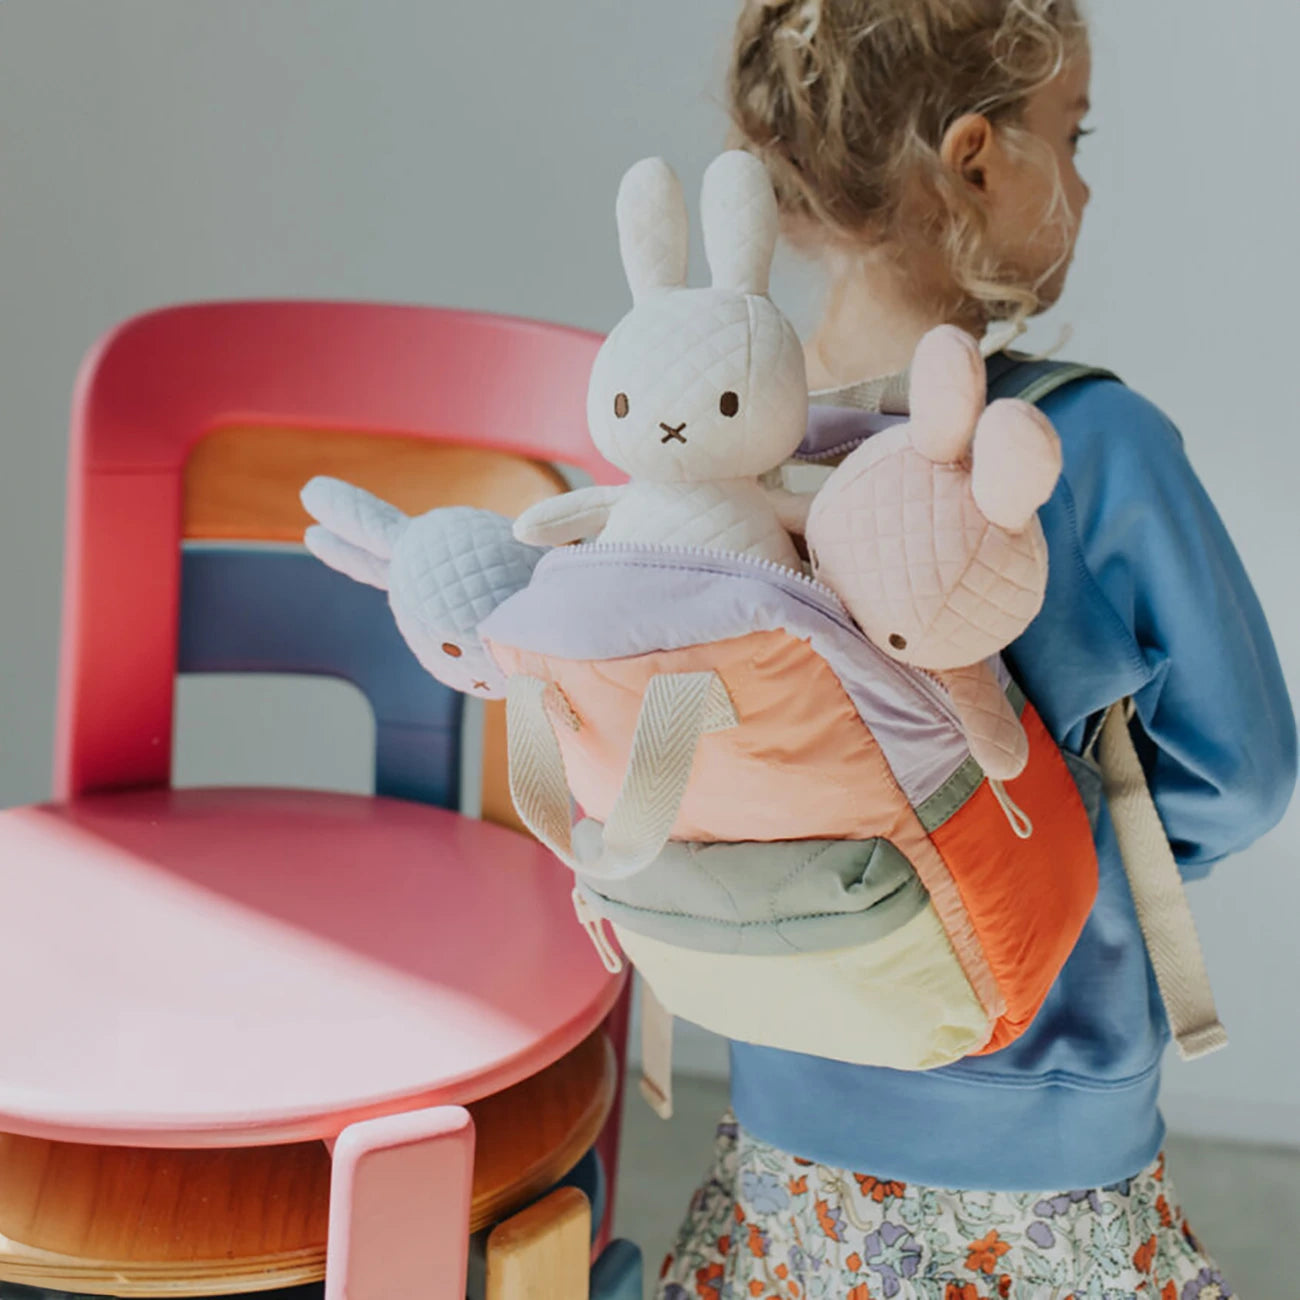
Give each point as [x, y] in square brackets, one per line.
[444, 571]
[701, 355]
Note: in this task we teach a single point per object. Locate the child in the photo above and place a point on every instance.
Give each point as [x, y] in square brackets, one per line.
[926, 149]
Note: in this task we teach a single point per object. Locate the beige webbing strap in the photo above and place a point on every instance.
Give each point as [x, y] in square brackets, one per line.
[886, 395]
[656, 1053]
[1162, 908]
[676, 710]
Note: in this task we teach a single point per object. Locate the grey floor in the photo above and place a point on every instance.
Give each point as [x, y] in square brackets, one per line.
[1244, 1202]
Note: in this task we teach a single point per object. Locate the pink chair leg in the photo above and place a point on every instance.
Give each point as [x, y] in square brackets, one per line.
[399, 1207]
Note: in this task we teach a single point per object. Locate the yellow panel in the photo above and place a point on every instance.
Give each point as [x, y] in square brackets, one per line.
[242, 483]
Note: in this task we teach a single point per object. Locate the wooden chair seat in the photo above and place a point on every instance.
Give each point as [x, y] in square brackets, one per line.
[148, 1222]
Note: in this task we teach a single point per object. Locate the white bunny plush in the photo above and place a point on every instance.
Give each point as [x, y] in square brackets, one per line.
[445, 571]
[696, 393]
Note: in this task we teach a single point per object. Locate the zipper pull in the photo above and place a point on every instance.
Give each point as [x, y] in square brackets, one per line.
[594, 926]
[1016, 817]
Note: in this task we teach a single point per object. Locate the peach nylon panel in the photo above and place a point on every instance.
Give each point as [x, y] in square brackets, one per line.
[801, 764]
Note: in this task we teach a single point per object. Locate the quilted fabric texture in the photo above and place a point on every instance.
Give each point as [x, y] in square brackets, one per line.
[708, 515]
[904, 531]
[652, 228]
[740, 223]
[450, 569]
[903, 542]
[993, 731]
[695, 388]
[672, 364]
[445, 572]
[358, 531]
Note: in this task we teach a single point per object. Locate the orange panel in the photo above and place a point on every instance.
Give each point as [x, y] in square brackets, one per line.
[1028, 899]
[801, 767]
[242, 483]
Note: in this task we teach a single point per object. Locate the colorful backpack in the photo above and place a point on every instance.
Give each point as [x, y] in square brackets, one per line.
[818, 814]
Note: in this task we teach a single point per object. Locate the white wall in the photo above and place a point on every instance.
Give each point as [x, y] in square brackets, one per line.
[1186, 284]
[467, 154]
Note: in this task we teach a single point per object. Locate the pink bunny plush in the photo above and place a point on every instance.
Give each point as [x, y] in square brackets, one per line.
[929, 533]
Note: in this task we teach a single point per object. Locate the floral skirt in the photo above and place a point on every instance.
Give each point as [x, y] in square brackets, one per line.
[769, 1226]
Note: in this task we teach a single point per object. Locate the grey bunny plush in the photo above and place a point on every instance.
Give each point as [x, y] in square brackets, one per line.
[444, 571]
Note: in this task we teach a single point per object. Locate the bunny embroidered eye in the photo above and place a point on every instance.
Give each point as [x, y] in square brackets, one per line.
[620, 405]
[898, 642]
[729, 403]
[452, 650]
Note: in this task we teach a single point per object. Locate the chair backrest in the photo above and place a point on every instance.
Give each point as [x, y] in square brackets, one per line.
[246, 609]
[199, 424]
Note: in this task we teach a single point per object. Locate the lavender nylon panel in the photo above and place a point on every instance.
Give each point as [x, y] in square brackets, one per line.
[839, 428]
[589, 605]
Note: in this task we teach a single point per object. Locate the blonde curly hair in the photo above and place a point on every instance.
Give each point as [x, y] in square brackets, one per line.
[847, 102]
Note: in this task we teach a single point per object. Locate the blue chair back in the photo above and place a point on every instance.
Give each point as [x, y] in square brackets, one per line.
[262, 609]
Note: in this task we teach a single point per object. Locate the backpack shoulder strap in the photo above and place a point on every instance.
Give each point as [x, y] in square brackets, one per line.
[1013, 374]
[1159, 896]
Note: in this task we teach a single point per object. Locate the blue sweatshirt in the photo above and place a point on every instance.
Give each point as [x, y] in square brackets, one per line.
[1146, 597]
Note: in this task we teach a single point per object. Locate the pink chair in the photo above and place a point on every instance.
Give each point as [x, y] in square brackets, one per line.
[238, 968]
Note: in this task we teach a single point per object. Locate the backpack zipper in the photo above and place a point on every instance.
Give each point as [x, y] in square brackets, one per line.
[830, 453]
[806, 590]
[593, 923]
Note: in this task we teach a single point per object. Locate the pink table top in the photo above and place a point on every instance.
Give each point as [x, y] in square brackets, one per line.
[229, 967]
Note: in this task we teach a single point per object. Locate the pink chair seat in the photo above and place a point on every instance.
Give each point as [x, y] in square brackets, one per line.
[222, 967]
[225, 968]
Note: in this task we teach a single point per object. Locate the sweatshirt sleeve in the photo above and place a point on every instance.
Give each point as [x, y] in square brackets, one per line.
[1218, 732]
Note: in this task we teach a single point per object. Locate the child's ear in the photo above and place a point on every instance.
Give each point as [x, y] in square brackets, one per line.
[970, 148]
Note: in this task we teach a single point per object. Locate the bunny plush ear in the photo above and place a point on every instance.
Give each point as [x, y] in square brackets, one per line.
[1017, 462]
[739, 216]
[947, 394]
[355, 515]
[356, 532]
[653, 235]
[349, 560]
